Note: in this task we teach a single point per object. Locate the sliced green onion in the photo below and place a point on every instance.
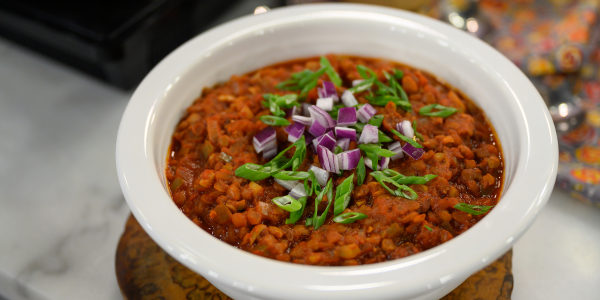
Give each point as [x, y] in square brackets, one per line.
[330, 71]
[253, 172]
[308, 222]
[376, 120]
[349, 217]
[406, 139]
[274, 120]
[473, 209]
[287, 203]
[441, 111]
[427, 227]
[360, 171]
[403, 179]
[364, 85]
[296, 215]
[384, 138]
[342, 195]
[401, 189]
[291, 175]
[319, 220]
[417, 134]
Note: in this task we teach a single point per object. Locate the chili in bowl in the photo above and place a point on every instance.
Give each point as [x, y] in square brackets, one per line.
[214, 186]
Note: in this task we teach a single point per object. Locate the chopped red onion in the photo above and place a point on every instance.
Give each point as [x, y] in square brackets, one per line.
[325, 104]
[321, 116]
[266, 137]
[327, 140]
[406, 129]
[396, 147]
[298, 191]
[320, 174]
[287, 184]
[382, 164]
[302, 120]
[345, 132]
[412, 151]
[305, 111]
[346, 116]
[365, 113]
[316, 129]
[348, 98]
[270, 153]
[295, 131]
[343, 143]
[329, 90]
[369, 135]
[334, 162]
[323, 157]
[349, 159]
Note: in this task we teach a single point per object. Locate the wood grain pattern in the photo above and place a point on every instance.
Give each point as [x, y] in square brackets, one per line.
[145, 271]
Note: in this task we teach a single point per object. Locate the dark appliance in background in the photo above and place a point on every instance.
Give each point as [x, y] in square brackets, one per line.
[117, 41]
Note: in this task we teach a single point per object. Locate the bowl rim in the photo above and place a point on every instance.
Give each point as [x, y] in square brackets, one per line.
[134, 163]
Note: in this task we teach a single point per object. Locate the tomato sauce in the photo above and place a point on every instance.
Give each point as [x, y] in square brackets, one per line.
[215, 137]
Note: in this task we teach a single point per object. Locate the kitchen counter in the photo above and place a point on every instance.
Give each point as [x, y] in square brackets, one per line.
[62, 212]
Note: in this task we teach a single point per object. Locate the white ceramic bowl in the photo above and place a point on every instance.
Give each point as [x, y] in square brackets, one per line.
[511, 102]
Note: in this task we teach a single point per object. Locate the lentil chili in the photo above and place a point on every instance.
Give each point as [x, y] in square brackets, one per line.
[215, 136]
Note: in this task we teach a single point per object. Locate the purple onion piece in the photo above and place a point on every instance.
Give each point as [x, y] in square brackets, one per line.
[325, 104]
[320, 174]
[365, 113]
[406, 129]
[321, 116]
[383, 163]
[321, 93]
[295, 131]
[396, 147]
[348, 98]
[345, 133]
[327, 141]
[349, 159]
[343, 143]
[346, 116]
[269, 153]
[413, 152]
[263, 138]
[369, 135]
[329, 90]
[323, 157]
[316, 129]
[307, 121]
[305, 111]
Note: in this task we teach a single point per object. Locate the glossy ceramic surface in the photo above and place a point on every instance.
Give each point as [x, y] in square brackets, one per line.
[511, 102]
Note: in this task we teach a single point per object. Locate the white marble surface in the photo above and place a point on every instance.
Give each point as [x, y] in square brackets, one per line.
[61, 209]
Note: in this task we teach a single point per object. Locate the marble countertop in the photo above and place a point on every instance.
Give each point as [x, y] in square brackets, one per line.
[62, 212]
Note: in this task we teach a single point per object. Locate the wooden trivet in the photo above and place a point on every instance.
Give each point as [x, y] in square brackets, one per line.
[145, 271]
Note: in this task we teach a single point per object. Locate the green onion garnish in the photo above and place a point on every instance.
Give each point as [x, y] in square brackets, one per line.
[349, 217]
[401, 189]
[330, 71]
[274, 120]
[417, 134]
[319, 220]
[253, 172]
[373, 152]
[403, 179]
[275, 103]
[287, 203]
[306, 80]
[342, 195]
[406, 139]
[473, 209]
[360, 171]
[427, 227]
[441, 111]
[291, 175]
[296, 215]
[376, 120]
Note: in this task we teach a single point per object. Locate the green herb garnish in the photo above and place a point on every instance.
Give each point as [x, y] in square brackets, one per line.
[376, 120]
[342, 195]
[373, 152]
[287, 203]
[330, 71]
[276, 103]
[360, 171]
[319, 220]
[306, 80]
[296, 215]
[473, 209]
[428, 228]
[253, 172]
[274, 120]
[401, 189]
[349, 217]
[406, 139]
[440, 110]
[417, 134]
[403, 179]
